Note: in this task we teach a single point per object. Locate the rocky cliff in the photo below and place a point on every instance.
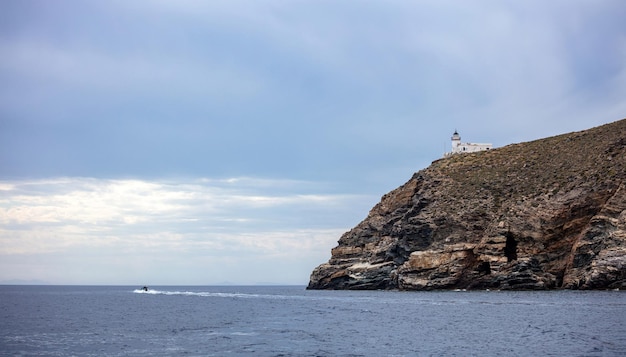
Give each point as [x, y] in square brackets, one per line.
[545, 214]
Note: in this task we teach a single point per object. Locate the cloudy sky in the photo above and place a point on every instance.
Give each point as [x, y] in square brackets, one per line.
[211, 142]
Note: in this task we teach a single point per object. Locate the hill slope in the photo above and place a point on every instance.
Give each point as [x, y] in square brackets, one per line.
[550, 213]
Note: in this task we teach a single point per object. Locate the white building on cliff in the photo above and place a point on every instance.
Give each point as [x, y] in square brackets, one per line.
[461, 148]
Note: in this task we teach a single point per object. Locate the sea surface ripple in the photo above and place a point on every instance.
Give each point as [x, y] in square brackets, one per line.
[291, 321]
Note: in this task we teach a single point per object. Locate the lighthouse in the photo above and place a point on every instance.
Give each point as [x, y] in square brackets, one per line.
[456, 140]
[460, 148]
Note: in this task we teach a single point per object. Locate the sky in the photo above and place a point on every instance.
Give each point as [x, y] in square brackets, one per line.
[233, 142]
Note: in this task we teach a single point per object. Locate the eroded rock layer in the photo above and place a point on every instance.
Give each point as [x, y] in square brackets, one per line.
[545, 214]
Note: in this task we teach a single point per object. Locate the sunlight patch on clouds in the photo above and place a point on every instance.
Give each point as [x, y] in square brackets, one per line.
[88, 202]
[213, 217]
[98, 231]
[268, 201]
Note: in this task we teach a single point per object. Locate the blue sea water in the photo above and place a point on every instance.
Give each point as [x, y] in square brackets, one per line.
[291, 321]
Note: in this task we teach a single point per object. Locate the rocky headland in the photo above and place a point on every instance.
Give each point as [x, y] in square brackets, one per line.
[546, 214]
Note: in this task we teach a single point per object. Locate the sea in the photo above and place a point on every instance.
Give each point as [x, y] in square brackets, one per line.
[293, 321]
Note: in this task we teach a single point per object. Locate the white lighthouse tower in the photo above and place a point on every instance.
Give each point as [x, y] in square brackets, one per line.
[460, 148]
[456, 141]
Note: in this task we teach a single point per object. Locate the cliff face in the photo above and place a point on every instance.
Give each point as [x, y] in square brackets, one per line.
[545, 214]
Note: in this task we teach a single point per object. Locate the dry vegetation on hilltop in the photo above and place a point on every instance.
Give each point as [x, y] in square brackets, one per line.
[590, 158]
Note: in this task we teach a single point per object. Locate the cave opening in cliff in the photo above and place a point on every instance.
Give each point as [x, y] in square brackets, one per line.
[510, 248]
[484, 268]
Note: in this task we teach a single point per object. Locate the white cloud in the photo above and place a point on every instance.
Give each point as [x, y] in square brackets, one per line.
[169, 221]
